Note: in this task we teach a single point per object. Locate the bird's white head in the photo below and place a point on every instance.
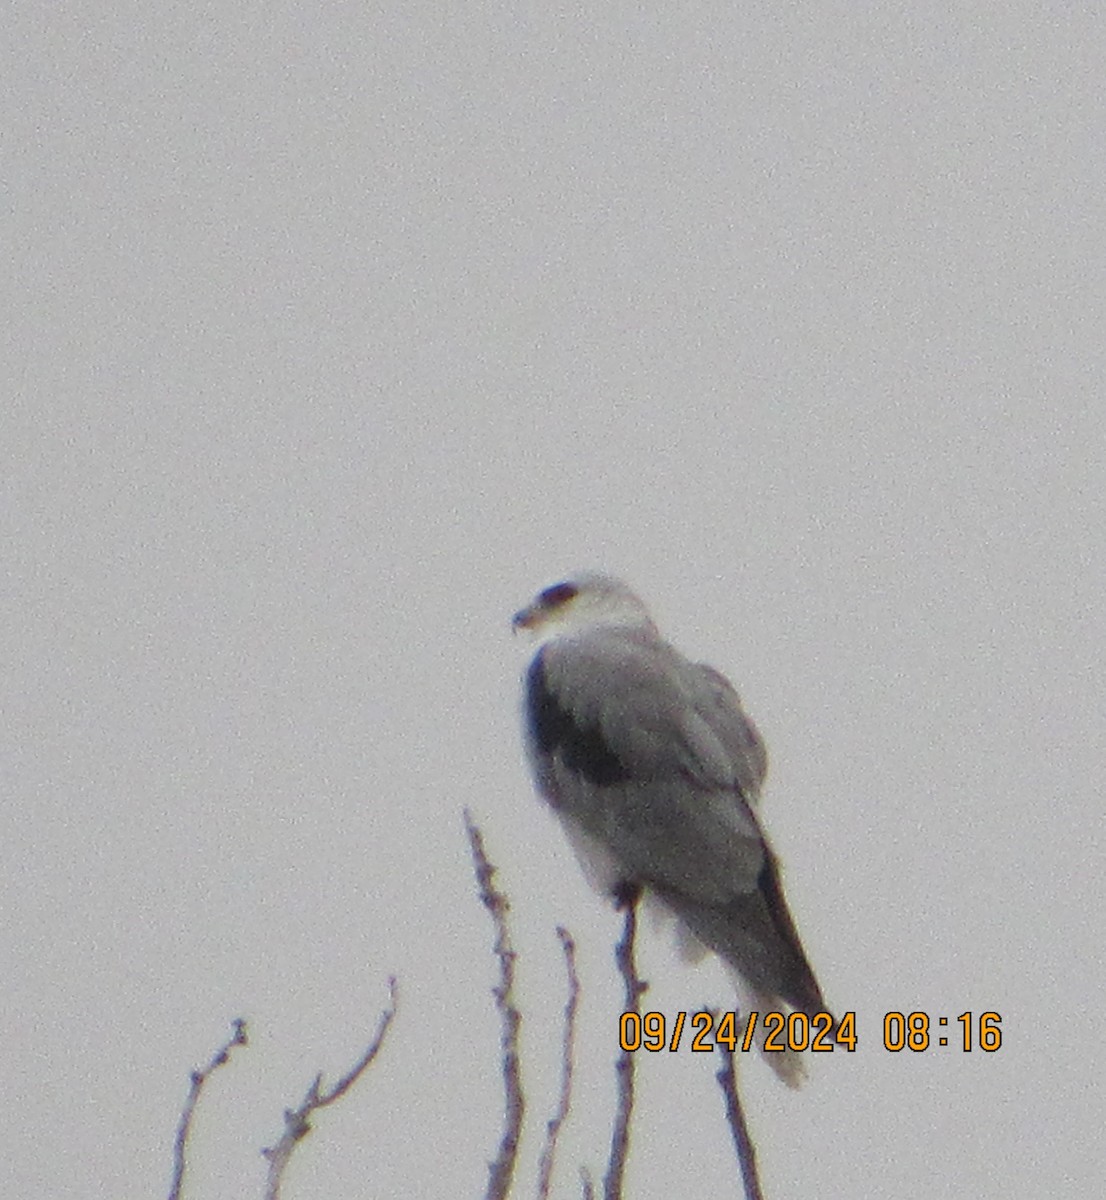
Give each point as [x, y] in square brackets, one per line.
[585, 601]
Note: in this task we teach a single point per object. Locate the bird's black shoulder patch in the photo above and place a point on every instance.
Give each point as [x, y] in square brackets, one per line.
[556, 732]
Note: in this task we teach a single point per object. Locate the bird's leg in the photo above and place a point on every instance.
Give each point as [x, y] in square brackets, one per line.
[625, 893]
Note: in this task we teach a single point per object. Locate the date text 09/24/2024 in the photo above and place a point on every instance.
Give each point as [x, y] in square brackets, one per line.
[915, 1031]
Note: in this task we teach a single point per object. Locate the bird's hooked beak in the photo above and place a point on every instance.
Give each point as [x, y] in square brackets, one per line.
[547, 606]
[526, 618]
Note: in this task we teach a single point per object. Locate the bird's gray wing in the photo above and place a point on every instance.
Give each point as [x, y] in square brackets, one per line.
[722, 705]
[639, 747]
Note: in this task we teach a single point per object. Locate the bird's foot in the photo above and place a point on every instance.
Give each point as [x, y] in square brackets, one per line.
[626, 894]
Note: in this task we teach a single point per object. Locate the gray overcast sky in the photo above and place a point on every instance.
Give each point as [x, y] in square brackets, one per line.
[331, 333]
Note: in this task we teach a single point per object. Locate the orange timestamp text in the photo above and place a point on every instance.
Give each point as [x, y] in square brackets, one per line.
[820, 1033]
[779, 1031]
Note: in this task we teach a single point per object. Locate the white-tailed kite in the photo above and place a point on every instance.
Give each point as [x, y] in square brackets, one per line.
[654, 771]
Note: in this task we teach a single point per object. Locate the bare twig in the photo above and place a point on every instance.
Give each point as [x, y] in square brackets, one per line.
[624, 1068]
[735, 1117]
[199, 1078]
[501, 1171]
[296, 1123]
[553, 1128]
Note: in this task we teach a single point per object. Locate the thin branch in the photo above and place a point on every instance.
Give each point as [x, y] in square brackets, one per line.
[627, 898]
[553, 1128]
[199, 1078]
[296, 1121]
[735, 1118]
[501, 1171]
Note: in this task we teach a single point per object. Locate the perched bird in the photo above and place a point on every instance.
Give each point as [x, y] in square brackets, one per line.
[654, 771]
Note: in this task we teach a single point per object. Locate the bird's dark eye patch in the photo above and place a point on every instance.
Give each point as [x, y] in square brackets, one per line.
[559, 593]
